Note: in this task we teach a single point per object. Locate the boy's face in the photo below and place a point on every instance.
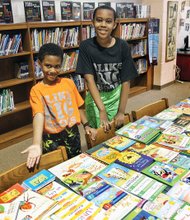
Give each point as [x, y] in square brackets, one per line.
[51, 66]
[104, 23]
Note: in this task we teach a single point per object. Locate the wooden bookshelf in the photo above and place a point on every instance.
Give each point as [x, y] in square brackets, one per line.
[16, 125]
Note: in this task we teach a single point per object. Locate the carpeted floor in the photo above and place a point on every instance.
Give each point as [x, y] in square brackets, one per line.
[11, 156]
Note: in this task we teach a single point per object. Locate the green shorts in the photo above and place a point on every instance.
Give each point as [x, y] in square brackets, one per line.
[111, 101]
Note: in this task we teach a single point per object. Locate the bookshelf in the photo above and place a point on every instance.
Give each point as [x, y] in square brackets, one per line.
[16, 125]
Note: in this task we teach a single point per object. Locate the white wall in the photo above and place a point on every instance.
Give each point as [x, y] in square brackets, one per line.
[18, 7]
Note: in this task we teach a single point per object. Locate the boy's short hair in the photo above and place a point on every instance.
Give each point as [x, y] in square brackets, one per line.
[105, 7]
[50, 49]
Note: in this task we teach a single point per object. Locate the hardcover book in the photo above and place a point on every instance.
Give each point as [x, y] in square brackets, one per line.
[11, 193]
[155, 151]
[134, 160]
[132, 181]
[88, 10]
[32, 11]
[49, 10]
[39, 180]
[119, 143]
[106, 155]
[66, 10]
[166, 173]
[138, 132]
[180, 191]
[82, 161]
[76, 11]
[6, 15]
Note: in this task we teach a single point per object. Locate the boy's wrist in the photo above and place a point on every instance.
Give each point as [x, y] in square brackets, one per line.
[86, 124]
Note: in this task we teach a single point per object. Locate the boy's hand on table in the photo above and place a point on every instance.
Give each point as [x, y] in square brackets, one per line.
[119, 119]
[92, 132]
[104, 121]
[34, 153]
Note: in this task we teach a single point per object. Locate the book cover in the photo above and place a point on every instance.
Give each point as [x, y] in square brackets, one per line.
[6, 15]
[9, 211]
[180, 191]
[138, 132]
[168, 114]
[81, 180]
[174, 129]
[88, 10]
[82, 161]
[106, 155]
[104, 3]
[76, 11]
[183, 120]
[164, 206]
[132, 181]
[125, 10]
[155, 151]
[32, 11]
[11, 193]
[39, 180]
[186, 178]
[181, 161]
[138, 214]
[134, 160]
[166, 173]
[182, 213]
[119, 143]
[49, 10]
[176, 141]
[33, 204]
[66, 10]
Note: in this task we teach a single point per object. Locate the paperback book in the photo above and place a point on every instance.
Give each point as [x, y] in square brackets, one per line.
[32, 11]
[186, 178]
[49, 10]
[174, 129]
[106, 155]
[155, 151]
[11, 193]
[166, 173]
[180, 191]
[119, 143]
[168, 114]
[9, 211]
[125, 10]
[82, 161]
[39, 180]
[181, 160]
[6, 15]
[134, 160]
[132, 181]
[76, 11]
[183, 120]
[138, 132]
[176, 141]
[182, 213]
[66, 10]
[88, 10]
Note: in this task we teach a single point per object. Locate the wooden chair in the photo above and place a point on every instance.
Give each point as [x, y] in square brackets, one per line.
[102, 135]
[150, 109]
[21, 172]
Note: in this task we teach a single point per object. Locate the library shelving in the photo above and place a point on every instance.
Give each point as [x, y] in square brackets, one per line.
[16, 125]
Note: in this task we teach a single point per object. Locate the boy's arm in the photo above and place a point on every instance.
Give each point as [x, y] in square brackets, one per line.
[119, 118]
[35, 151]
[91, 131]
[97, 99]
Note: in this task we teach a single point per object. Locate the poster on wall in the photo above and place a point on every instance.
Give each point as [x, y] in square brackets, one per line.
[171, 30]
[153, 40]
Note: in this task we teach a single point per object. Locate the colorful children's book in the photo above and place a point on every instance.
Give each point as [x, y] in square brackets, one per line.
[180, 191]
[39, 180]
[168, 114]
[177, 141]
[138, 214]
[33, 204]
[9, 211]
[11, 193]
[138, 132]
[181, 160]
[119, 143]
[81, 180]
[156, 151]
[174, 129]
[134, 160]
[166, 173]
[82, 161]
[164, 206]
[183, 213]
[132, 181]
[106, 155]
[186, 178]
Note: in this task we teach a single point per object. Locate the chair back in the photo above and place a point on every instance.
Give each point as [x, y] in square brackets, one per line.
[102, 135]
[19, 173]
[150, 109]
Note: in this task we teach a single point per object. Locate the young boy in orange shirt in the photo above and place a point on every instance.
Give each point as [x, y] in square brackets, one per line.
[57, 109]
